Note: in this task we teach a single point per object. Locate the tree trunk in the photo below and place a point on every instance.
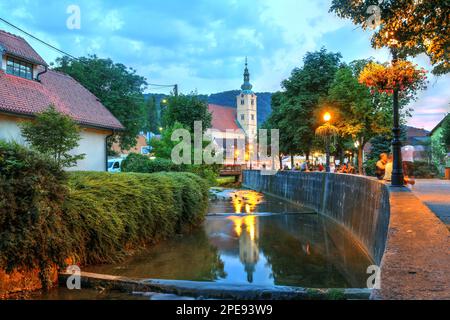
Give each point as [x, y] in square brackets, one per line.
[292, 161]
[360, 158]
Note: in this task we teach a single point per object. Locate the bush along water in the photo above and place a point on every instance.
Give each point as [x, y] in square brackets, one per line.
[47, 215]
[143, 164]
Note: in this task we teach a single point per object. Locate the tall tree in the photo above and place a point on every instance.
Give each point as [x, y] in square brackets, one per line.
[295, 107]
[119, 89]
[362, 116]
[53, 134]
[418, 26]
[186, 109]
[152, 119]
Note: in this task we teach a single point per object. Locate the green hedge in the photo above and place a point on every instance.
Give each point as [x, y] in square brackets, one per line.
[110, 212]
[33, 232]
[142, 164]
[47, 215]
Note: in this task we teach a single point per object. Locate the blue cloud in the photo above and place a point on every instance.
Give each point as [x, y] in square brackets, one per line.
[199, 44]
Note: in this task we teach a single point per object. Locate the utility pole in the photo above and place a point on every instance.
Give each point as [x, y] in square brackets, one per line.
[175, 90]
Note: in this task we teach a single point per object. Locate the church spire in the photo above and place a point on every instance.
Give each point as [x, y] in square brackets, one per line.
[246, 87]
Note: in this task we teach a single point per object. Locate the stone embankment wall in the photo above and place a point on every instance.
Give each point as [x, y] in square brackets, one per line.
[359, 204]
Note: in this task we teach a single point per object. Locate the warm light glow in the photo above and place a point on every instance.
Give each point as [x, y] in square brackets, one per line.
[160, 129]
[164, 101]
[247, 200]
[327, 116]
[247, 224]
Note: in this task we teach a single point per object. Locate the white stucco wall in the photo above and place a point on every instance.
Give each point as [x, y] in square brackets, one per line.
[92, 143]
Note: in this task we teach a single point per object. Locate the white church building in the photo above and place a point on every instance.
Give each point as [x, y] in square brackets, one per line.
[235, 129]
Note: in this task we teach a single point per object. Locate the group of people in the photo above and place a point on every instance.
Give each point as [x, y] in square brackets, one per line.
[308, 167]
[384, 169]
[345, 168]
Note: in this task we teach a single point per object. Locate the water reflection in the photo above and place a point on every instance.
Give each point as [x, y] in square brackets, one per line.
[249, 248]
[246, 229]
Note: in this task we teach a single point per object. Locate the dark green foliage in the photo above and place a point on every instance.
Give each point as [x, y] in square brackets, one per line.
[294, 110]
[422, 169]
[186, 109]
[417, 26]
[142, 164]
[33, 232]
[109, 213]
[53, 134]
[139, 163]
[118, 88]
[91, 217]
[446, 132]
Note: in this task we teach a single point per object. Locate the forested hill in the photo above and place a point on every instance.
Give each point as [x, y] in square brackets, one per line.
[228, 98]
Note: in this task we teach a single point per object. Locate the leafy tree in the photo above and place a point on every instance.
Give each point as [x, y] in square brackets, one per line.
[294, 109]
[118, 88]
[55, 135]
[153, 122]
[186, 109]
[163, 146]
[362, 116]
[418, 26]
[446, 132]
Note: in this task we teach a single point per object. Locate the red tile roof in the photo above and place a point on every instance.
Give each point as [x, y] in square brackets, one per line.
[17, 46]
[223, 118]
[28, 97]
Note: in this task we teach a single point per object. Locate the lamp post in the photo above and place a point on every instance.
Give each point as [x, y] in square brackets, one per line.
[327, 131]
[397, 169]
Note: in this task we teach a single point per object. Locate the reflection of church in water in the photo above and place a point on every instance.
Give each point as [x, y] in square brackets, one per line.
[248, 246]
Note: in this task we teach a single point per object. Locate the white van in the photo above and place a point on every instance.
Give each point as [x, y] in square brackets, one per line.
[115, 165]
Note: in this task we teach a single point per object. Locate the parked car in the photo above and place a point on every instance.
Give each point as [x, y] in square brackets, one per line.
[115, 165]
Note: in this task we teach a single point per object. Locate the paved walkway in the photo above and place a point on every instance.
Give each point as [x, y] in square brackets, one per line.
[436, 196]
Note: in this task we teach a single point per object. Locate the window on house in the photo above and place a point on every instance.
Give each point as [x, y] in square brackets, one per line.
[253, 117]
[253, 102]
[19, 68]
[242, 117]
[242, 102]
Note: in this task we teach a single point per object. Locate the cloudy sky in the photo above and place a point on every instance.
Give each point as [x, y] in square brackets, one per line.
[202, 44]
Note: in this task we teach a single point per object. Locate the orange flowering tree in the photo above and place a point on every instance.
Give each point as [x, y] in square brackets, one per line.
[403, 75]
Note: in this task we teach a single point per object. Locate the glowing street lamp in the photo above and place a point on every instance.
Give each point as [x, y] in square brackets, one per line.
[327, 131]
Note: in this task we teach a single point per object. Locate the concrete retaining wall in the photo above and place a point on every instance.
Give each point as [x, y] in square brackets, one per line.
[359, 204]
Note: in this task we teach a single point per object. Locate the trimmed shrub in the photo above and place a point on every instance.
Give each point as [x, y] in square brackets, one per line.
[33, 233]
[109, 213]
[142, 164]
[47, 215]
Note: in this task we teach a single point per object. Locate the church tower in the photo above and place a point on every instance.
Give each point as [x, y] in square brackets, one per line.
[247, 108]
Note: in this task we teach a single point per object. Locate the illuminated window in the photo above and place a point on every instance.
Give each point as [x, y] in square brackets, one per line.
[19, 68]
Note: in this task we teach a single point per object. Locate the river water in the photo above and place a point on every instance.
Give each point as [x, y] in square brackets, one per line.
[255, 239]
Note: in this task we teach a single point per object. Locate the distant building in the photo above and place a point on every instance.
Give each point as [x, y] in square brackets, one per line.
[28, 87]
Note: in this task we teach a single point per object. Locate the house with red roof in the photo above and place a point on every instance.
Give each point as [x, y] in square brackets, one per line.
[28, 87]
